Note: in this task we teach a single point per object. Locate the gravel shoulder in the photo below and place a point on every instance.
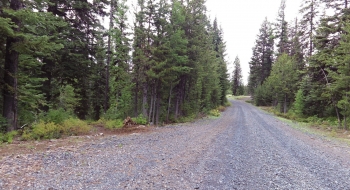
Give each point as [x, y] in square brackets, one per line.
[245, 148]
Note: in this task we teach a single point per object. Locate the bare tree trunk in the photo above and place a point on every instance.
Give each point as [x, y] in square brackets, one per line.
[345, 124]
[106, 101]
[169, 102]
[136, 99]
[157, 114]
[311, 30]
[144, 99]
[154, 104]
[285, 104]
[151, 106]
[346, 4]
[10, 74]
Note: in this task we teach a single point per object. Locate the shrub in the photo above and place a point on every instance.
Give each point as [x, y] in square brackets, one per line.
[74, 126]
[221, 108]
[214, 112]
[299, 104]
[3, 124]
[140, 120]
[43, 130]
[228, 104]
[56, 116]
[186, 119]
[8, 137]
[114, 124]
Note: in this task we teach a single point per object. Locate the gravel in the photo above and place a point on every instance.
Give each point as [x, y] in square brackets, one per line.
[245, 148]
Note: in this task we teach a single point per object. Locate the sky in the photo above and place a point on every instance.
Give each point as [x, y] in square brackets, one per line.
[241, 21]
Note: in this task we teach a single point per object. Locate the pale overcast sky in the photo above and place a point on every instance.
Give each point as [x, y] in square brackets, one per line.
[241, 21]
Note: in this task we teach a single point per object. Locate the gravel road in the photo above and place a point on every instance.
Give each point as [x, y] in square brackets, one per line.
[245, 148]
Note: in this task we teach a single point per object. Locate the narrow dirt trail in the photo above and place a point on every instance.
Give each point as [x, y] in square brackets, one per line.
[245, 148]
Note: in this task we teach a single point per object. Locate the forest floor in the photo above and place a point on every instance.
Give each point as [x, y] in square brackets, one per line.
[245, 148]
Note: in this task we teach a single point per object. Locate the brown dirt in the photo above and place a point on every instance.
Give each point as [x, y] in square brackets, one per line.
[18, 147]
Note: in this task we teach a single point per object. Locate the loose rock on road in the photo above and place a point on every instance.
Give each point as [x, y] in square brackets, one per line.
[245, 148]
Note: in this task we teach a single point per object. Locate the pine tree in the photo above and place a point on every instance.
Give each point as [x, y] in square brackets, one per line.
[220, 48]
[10, 94]
[237, 77]
[309, 24]
[281, 30]
[121, 84]
[262, 59]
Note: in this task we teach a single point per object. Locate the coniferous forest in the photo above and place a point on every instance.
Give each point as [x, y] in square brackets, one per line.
[302, 67]
[84, 59]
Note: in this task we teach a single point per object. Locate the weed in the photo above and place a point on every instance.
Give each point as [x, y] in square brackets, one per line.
[43, 130]
[214, 112]
[140, 120]
[73, 126]
[8, 137]
[221, 108]
[186, 119]
[56, 116]
[114, 124]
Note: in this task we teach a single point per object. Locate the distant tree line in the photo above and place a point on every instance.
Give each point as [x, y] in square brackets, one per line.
[303, 66]
[57, 55]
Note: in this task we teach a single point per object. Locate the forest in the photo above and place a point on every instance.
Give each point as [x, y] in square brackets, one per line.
[84, 59]
[302, 67]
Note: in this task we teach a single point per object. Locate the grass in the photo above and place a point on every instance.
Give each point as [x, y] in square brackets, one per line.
[324, 128]
[244, 98]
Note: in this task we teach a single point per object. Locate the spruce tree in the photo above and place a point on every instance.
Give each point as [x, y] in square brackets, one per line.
[237, 77]
[262, 58]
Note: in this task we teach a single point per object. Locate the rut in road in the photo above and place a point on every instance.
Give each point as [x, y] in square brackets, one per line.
[245, 148]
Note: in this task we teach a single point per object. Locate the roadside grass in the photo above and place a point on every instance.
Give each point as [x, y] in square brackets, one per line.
[231, 97]
[325, 128]
[58, 124]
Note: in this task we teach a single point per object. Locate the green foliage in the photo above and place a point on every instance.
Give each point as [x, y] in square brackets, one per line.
[67, 99]
[299, 105]
[3, 124]
[50, 130]
[140, 120]
[178, 63]
[73, 126]
[214, 112]
[186, 119]
[44, 130]
[56, 116]
[237, 81]
[114, 124]
[7, 137]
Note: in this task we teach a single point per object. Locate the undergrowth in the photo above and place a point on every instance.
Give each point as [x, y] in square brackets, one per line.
[325, 126]
[51, 130]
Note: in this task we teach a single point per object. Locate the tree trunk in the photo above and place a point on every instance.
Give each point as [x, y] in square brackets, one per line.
[157, 111]
[10, 75]
[136, 99]
[346, 4]
[151, 107]
[169, 103]
[285, 104]
[106, 101]
[144, 100]
[154, 104]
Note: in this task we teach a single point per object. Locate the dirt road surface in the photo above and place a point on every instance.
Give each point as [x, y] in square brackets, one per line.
[245, 148]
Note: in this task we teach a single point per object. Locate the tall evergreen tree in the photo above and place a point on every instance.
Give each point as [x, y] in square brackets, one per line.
[281, 30]
[310, 12]
[237, 82]
[262, 59]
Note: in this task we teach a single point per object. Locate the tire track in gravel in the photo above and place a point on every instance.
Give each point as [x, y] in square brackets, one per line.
[263, 155]
[245, 148]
